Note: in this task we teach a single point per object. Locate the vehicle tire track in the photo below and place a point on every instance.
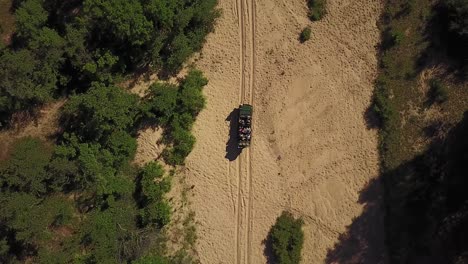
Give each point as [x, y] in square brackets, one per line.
[242, 51]
[244, 219]
[250, 150]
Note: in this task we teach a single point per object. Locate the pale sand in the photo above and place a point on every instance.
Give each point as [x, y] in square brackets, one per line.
[312, 152]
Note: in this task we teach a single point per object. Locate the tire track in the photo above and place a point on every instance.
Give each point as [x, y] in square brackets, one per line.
[242, 47]
[244, 221]
[250, 150]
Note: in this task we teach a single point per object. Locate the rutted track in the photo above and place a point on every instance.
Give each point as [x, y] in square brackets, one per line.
[245, 11]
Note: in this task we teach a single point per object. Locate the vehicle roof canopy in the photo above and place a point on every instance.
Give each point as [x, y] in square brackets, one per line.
[246, 110]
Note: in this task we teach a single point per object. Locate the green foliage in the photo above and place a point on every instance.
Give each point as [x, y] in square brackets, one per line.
[287, 239]
[317, 9]
[154, 185]
[81, 49]
[151, 260]
[176, 109]
[438, 92]
[183, 142]
[161, 102]
[30, 18]
[26, 168]
[180, 51]
[30, 217]
[102, 110]
[191, 97]
[108, 234]
[122, 146]
[382, 105]
[24, 82]
[397, 37]
[305, 34]
[121, 20]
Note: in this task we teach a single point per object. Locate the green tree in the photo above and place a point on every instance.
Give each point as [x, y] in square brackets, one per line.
[191, 97]
[122, 146]
[183, 143]
[122, 19]
[317, 9]
[161, 102]
[287, 239]
[25, 170]
[153, 182]
[179, 51]
[30, 18]
[100, 111]
[305, 34]
[154, 185]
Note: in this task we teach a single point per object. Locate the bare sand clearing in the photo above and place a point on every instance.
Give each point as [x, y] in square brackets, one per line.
[312, 152]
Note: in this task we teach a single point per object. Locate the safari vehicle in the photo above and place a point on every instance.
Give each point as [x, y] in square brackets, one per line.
[245, 126]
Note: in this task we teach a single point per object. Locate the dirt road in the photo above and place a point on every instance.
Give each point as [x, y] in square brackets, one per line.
[312, 152]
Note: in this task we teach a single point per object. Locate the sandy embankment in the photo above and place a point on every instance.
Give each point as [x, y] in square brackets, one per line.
[312, 152]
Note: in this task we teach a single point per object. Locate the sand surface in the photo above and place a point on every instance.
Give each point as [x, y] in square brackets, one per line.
[312, 151]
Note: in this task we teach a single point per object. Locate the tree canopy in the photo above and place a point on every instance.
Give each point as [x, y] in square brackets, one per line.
[287, 238]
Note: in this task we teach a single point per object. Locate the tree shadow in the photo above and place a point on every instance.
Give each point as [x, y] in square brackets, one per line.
[232, 151]
[268, 250]
[363, 242]
[415, 212]
[371, 118]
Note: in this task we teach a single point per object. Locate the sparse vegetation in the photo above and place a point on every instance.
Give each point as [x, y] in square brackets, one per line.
[438, 92]
[287, 238]
[317, 9]
[421, 154]
[305, 34]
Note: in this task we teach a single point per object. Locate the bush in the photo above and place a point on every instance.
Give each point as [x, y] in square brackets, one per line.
[305, 34]
[287, 239]
[438, 92]
[381, 104]
[317, 9]
[183, 143]
[397, 37]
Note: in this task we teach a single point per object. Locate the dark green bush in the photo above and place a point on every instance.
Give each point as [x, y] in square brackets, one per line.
[317, 9]
[287, 238]
[305, 34]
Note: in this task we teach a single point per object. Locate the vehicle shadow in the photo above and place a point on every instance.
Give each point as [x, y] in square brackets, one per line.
[232, 152]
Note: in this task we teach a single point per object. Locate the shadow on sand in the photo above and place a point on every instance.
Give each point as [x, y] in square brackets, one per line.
[232, 151]
[363, 242]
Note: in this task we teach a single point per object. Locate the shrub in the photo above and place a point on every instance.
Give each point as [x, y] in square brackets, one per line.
[183, 142]
[305, 34]
[397, 37]
[438, 92]
[317, 9]
[287, 238]
[381, 103]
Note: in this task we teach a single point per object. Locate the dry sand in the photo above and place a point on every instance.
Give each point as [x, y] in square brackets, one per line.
[312, 152]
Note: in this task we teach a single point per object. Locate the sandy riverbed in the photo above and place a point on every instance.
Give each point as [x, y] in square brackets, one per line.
[312, 152]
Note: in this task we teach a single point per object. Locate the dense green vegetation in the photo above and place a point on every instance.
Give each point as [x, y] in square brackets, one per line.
[286, 239]
[317, 9]
[420, 99]
[66, 46]
[77, 198]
